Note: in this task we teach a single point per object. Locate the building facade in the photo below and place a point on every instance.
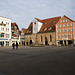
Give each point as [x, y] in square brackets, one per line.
[41, 31]
[15, 33]
[22, 37]
[65, 31]
[5, 31]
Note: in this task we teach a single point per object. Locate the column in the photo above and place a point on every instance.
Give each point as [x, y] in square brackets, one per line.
[63, 43]
[67, 42]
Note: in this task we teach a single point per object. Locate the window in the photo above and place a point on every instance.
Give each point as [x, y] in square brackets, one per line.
[64, 30]
[71, 30]
[64, 36]
[2, 22]
[67, 20]
[71, 24]
[61, 26]
[68, 36]
[34, 22]
[61, 36]
[67, 25]
[49, 28]
[45, 29]
[6, 23]
[71, 35]
[7, 35]
[53, 22]
[50, 38]
[57, 31]
[3, 29]
[2, 35]
[64, 25]
[61, 31]
[68, 30]
[63, 20]
[58, 36]
[7, 43]
[27, 31]
[6, 29]
[57, 26]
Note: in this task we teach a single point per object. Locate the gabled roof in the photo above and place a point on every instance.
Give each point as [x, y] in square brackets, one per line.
[24, 30]
[68, 18]
[14, 24]
[38, 20]
[49, 24]
[30, 28]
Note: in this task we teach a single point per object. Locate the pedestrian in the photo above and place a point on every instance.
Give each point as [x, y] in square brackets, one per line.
[16, 45]
[13, 45]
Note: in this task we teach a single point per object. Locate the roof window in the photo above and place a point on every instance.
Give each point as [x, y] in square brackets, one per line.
[45, 29]
[49, 28]
[53, 21]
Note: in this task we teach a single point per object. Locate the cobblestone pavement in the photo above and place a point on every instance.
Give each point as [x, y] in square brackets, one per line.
[37, 60]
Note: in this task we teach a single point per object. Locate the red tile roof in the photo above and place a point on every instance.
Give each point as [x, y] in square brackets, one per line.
[49, 23]
[68, 18]
[24, 30]
[30, 28]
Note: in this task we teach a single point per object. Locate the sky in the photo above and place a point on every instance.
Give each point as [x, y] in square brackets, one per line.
[23, 12]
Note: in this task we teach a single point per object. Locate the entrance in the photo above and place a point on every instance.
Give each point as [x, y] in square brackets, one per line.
[27, 43]
[46, 41]
[70, 42]
[31, 42]
[61, 42]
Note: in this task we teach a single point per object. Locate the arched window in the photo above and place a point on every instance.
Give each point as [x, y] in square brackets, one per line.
[50, 38]
[41, 38]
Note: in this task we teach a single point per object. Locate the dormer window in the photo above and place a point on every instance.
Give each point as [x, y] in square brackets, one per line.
[45, 29]
[27, 31]
[49, 28]
[53, 21]
[30, 29]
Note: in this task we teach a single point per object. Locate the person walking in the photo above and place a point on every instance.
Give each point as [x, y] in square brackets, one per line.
[13, 45]
[16, 45]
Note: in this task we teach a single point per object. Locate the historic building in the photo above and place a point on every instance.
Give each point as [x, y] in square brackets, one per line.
[41, 31]
[5, 31]
[22, 37]
[65, 31]
[15, 33]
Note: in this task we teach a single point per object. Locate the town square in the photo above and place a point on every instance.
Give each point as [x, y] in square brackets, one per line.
[37, 60]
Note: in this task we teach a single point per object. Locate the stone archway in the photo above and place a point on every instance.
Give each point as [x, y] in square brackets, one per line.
[46, 41]
[31, 42]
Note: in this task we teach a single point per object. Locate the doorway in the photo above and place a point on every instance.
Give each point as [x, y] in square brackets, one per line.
[31, 42]
[46, 41]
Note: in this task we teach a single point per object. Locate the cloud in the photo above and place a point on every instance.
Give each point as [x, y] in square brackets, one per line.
[24, 11]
